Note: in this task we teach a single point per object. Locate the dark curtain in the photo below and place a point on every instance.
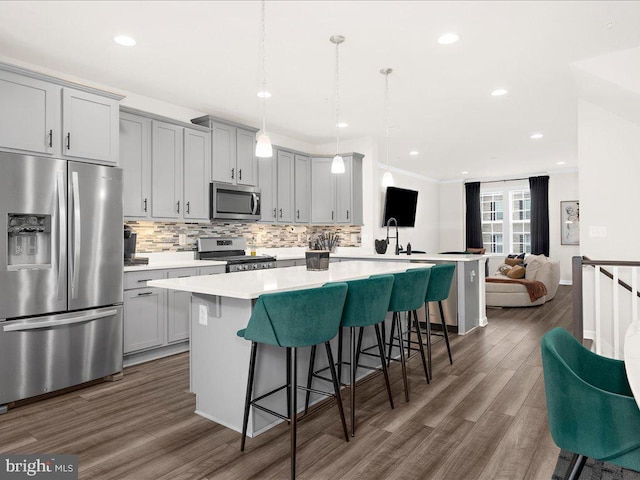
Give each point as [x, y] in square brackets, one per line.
[474, 219]
[539, 187]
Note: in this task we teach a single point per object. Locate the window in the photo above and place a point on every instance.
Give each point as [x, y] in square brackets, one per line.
[506, 225]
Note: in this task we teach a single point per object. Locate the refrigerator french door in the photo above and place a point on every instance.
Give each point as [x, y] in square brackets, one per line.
[60, 274]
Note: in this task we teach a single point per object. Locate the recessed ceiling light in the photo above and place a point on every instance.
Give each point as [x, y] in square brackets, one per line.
[414, 152]
[448, 38]
[124, 40]
[343, 125]
[536, 136]
[560, 163]
[264, 94]
[464, 172]
[499, 92]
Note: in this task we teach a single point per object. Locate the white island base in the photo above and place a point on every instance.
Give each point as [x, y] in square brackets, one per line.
[219, 363]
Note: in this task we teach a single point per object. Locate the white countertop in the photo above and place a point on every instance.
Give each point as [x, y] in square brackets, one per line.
[356, 253]
[169, 260]
[249, 285]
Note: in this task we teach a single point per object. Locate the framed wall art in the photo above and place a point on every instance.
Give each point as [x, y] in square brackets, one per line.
[570, 222]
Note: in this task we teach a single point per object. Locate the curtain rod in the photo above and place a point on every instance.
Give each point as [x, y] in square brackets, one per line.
[507, 180]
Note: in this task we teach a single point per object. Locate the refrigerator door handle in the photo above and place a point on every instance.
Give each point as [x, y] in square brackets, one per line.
[62, 225]
[57, 322]
[75, 278]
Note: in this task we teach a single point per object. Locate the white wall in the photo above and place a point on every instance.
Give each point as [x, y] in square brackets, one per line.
[562, 186]
[452, 216]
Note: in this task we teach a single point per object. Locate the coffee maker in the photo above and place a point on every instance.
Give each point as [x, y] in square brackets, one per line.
[130, 248]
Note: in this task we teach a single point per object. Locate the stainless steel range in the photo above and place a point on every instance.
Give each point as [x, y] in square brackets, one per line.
[232, 251]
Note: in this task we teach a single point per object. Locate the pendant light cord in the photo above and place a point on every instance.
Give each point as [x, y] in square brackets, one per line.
[386, 113]
[264, 67]
[337, 99]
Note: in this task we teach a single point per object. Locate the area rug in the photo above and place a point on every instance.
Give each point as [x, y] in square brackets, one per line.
[593, 470]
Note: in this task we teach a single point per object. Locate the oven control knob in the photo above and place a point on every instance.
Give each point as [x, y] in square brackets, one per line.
[244, 267]
[254, 266]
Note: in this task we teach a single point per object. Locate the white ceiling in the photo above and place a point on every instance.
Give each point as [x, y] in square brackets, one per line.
[205, 56]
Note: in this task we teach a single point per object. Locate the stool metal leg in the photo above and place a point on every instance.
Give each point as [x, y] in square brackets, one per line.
[247, 401]
[292, 396]
[312, 363]
[352, 386]
[336, 388]
[384, 364]
[394, 320]
[428, 331]
[340, 355]
[446, 334]
[403, 360]
[419, 335]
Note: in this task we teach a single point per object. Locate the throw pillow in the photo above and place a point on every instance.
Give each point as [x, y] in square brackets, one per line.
[513, 261]
[513, 255]
[504, 269]
[516, 272]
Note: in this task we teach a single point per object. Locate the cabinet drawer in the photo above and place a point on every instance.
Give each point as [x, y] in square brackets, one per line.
[212, 270]
[182, 272]
[140, 279]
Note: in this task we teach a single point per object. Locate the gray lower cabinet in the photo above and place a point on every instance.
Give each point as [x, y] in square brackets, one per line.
[48, 116]
[135, 160]
[302, 189]
[144, 319]
[154, 317]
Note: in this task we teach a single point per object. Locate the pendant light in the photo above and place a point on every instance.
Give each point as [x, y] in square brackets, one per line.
[263, 145]
[387, 178]
[337, 165]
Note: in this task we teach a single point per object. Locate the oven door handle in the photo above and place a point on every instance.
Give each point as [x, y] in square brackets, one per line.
[53, 322]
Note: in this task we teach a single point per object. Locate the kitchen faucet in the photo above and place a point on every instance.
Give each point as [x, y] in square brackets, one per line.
[395, 222]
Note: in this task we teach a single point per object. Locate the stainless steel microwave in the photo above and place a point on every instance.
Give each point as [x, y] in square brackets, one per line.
[234, 202]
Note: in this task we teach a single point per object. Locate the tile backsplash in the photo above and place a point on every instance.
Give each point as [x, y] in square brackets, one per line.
[164, 236]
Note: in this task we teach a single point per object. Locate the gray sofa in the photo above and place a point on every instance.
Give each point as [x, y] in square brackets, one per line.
[538, 267]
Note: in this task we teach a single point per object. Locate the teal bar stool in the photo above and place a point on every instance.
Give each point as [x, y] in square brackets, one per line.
[407, 295]
[291, 320]
[439, 287]
[366, 305]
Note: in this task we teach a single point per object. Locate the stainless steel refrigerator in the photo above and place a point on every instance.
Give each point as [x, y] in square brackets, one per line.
[60, 274]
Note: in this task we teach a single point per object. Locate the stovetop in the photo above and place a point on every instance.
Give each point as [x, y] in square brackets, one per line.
[233, 259]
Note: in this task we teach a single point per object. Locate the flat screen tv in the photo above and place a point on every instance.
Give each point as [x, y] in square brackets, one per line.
[400, 204]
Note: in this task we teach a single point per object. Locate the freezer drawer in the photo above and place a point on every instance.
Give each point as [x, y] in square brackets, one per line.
[43, 354]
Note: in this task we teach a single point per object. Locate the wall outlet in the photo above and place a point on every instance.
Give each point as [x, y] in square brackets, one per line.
[597, 231]
[182, 239]
[202, 315]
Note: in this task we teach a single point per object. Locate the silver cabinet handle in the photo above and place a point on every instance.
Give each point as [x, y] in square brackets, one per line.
[233, 170]
[62, 230]
[280, 213]
[144, 294]
[145, 280]
[240, 174]
[50, 138]
[145, 204]
[48, 322]
[178, 206]
[274, 213]
[298, 214]
[331, 214]
[347, 214]
[75, 277]
[69, 141]
[189, 208]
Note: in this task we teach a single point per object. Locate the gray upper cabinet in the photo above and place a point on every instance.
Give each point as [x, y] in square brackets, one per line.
[44, 115]
[233, 151]
[246, 161]
[336, 198]
[135, 160]
[322, 192]
[302, 188]
[197, 171]
[166, 170]
[29, 114]
[285, 186]
[89, 126]
[223, 143]
[268, 188]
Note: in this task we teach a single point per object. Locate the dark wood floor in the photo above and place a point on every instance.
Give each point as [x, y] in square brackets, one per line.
[482, 418]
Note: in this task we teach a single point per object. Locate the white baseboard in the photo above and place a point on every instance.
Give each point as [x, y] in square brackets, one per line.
[566, 282]
[590, 334]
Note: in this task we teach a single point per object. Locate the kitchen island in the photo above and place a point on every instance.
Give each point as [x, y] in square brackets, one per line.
[219, 362]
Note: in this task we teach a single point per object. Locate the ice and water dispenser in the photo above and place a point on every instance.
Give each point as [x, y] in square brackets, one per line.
[29, 241]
